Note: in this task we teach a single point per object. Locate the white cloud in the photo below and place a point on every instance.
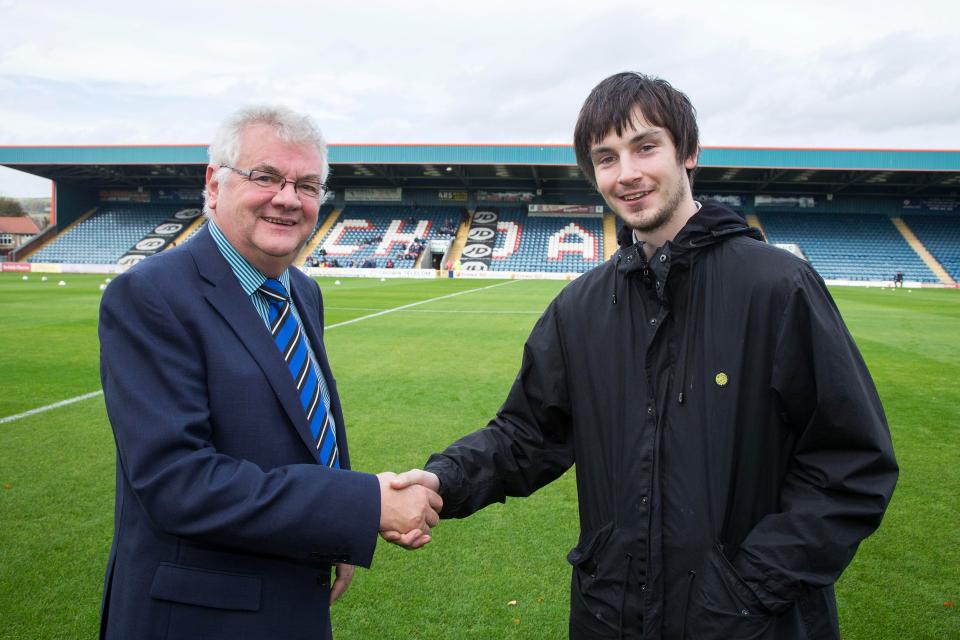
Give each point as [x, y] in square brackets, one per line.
[819, 73]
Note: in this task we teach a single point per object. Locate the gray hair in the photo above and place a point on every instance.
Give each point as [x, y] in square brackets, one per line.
[290, 126]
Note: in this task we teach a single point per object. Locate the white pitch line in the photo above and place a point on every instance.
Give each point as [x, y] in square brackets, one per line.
[55, 405]
[483, 312]
[86, 396]
[414, 304]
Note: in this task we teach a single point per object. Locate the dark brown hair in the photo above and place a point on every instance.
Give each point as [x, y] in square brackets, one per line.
[609, 107]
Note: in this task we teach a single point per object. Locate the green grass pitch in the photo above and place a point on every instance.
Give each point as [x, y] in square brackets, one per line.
[411, 382]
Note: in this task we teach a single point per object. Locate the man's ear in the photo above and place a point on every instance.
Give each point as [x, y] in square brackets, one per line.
[691, 162]
[212, 186]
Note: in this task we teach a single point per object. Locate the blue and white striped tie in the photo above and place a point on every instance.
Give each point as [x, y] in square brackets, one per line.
[314, 396]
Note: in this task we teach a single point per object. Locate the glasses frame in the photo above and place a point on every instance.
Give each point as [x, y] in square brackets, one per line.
[284, 181]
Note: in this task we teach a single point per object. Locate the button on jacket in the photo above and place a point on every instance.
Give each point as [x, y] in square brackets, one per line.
[730, 446]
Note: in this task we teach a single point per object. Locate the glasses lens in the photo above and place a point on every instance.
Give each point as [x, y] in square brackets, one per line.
[311, 189]
[266, 180]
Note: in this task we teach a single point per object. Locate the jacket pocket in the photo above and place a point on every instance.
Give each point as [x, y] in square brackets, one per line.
[597, 584]
[722, 606]
[206, 588]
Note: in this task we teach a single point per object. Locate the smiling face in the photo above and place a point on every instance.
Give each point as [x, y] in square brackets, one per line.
[266, 228]
[639, 176]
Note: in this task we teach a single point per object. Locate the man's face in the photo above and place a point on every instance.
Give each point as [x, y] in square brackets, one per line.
[638, 175]
[266, 228]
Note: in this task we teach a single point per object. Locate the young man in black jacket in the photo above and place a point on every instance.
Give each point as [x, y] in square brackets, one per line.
[730, 446]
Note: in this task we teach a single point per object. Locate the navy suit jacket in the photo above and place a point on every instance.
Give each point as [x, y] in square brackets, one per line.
[226, 525]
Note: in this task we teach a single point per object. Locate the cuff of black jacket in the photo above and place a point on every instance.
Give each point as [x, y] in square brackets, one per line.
[451, 483]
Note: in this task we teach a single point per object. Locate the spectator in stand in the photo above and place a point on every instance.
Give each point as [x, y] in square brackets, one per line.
[389, 263]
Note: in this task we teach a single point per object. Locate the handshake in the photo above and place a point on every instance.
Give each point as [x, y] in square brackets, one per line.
[409, 507]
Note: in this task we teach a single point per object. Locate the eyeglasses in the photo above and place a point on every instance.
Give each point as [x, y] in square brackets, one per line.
[272, 182]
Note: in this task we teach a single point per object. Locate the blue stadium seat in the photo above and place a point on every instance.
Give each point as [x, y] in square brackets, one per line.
[848, 246]
[941, 236]
[350, 238]
[533, 252]
[108, 234]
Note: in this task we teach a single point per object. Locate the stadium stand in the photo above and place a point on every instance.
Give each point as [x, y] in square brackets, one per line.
[546, 243]
[376, 234]
[858, 247]
[848, 246]
[106, 235]
[859, 216]
[193, 231]
[941, 236]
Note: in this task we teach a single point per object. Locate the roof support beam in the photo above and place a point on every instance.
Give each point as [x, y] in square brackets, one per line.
[768, 178]
[387, 173]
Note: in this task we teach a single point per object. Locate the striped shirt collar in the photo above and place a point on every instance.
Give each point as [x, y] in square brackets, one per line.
[249, 276]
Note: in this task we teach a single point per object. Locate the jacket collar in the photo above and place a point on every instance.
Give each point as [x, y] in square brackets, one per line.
[713, 223]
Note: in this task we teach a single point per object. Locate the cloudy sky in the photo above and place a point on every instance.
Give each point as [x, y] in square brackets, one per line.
[836, 73]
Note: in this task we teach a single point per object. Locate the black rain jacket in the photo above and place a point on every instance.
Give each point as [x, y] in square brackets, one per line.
[730, 447]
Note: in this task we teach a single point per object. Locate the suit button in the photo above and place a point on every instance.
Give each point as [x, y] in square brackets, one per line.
[644, 500]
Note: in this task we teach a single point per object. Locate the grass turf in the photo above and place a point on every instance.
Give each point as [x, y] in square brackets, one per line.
[411, 382]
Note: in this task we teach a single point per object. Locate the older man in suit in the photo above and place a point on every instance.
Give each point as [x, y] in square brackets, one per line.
[234, 496]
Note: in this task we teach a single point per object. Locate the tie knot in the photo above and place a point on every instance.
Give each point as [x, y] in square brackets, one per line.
[274, 290]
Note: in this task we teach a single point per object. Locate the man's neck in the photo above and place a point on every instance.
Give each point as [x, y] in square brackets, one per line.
[656, 239]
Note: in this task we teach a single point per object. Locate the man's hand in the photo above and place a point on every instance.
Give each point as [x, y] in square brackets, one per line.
[407, 512]
[417, 476]
[344, 577]
[412, 540]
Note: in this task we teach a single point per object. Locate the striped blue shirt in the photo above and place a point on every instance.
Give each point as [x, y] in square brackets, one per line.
[250, 281]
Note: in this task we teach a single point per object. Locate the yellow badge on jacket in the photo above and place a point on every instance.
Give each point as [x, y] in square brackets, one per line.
[721, 379]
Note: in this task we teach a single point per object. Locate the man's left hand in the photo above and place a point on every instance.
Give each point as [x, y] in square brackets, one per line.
[344, 577]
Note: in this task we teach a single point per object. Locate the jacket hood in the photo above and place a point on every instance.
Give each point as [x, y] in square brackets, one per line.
[712, 223]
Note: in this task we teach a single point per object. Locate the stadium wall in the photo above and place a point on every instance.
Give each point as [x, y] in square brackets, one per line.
[71, 203]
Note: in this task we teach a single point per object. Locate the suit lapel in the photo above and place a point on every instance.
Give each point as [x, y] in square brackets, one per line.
[226, 295]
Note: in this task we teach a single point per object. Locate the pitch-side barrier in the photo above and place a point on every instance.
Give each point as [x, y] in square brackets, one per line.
[344, 272]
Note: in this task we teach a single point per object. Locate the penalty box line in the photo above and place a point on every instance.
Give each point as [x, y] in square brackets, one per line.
[93, 394]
